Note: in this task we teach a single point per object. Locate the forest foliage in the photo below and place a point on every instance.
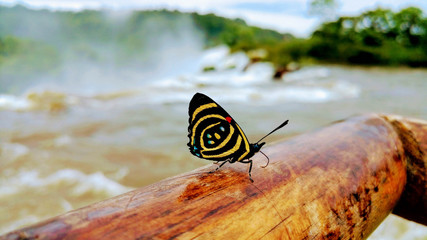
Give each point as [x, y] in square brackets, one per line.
[34, 41]
[375, 37]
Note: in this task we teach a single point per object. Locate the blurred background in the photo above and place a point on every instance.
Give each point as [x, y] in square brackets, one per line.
[94, 94]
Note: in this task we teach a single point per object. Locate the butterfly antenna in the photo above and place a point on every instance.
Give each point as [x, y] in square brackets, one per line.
[279, 127]
[268, 159]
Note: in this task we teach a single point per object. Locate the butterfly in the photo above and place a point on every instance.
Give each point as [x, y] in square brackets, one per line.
[214, 135]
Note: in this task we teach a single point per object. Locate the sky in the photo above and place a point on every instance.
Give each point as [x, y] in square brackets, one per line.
[286, 16]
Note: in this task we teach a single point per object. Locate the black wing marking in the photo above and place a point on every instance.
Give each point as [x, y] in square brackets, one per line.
[212, 133]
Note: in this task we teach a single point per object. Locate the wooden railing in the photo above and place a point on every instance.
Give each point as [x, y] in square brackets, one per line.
[338, 182]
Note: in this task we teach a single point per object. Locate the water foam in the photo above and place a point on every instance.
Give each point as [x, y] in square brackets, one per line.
[12, 151]
[81, 183]
[11, 102]
[37, 100]
[231, 78]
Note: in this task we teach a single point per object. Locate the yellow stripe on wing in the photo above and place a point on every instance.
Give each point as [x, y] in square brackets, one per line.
[202, 143]
[229, 152]
[241, 137]
[222, 144]
[246, 144]
[201, 108]
[200, 120]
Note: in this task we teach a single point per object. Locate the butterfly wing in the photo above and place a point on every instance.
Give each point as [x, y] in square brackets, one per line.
[212, 133]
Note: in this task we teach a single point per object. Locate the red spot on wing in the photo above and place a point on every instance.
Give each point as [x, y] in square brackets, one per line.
[228, 119]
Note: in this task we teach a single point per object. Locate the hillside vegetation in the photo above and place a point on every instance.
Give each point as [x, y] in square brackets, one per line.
[38, 41]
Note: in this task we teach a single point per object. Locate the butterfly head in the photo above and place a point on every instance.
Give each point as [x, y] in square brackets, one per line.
[257, 146]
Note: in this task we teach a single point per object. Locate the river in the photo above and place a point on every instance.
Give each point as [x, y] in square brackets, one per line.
[68, 144]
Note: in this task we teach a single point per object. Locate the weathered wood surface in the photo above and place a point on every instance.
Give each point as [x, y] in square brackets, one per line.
[413, 134]
[338, 182]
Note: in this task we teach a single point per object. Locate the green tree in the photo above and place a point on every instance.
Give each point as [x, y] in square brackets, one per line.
[375, 37]
[410, 26]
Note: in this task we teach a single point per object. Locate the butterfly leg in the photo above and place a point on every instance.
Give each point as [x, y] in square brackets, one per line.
[219, 167]
[250, 168]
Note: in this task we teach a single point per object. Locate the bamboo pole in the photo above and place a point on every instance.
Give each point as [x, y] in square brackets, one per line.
[338, 182]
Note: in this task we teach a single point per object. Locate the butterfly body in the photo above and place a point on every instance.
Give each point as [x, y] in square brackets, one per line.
[214, 135]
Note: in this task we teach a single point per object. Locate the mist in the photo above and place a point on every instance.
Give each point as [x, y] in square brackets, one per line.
[117, 50]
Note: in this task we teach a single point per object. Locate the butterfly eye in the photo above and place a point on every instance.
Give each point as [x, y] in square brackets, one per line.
[222, 128]
[209, 136]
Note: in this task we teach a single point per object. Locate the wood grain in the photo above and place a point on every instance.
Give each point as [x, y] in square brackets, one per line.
[413, 134]
[338, 182]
